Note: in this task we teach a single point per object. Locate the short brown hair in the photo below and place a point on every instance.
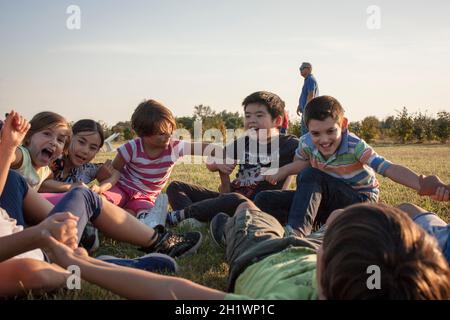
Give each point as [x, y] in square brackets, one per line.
[151, 117]
[45, 120]
[323, 107]
[410, 261]
[275, 106]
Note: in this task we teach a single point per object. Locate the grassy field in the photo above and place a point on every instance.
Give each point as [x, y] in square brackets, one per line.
[208, 267]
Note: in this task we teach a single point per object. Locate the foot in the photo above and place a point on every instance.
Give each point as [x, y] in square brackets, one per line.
[175, 245]
[217, 228]
[154, 262]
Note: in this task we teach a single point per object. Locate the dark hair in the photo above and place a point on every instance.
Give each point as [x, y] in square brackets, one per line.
[45, 120]
[86, 125]
[410, 261]
[275, 106]
[151, 117]
[323, 107]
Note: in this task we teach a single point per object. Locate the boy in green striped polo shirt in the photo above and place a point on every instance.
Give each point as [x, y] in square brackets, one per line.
[335, 169]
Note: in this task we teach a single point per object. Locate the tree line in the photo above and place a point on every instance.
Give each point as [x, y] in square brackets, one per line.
[404, 127]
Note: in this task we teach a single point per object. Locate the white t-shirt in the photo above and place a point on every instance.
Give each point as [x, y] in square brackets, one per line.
[9, 226]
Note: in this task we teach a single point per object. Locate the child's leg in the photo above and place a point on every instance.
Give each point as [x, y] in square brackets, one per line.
[182, 195]
[276, 203]
[12, 197]
[19, 276]
[205, 210]
[316, 189]
[107, 217]
[53, 198]
[116, 195]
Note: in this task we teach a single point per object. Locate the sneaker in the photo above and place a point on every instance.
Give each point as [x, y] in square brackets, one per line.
[158, 214]
[90, 240]
[175, 245]
[217, 228]
[154, 262]
[192, 223]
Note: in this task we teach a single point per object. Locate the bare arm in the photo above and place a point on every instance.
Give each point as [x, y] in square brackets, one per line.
[403, 176]
[292, 168]
[107, 184]
[51, 185]
[130, 283]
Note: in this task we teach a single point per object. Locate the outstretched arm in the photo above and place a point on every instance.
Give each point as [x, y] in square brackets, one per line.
[127, 282]
[403, 175]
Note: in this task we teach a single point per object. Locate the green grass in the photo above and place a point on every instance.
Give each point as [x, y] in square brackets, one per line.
[209, 268]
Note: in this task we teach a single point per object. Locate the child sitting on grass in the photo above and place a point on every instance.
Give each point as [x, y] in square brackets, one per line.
[335, 169]
[264, 113]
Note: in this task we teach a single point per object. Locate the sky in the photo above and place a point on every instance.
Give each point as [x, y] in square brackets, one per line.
[189, 52]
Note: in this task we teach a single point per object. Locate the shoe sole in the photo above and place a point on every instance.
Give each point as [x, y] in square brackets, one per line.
[212, 235]
[153, 254]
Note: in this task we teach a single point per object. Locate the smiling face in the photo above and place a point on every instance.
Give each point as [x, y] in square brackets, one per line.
[47, 145]
[258, 117]
[83, 147]
[326, 135]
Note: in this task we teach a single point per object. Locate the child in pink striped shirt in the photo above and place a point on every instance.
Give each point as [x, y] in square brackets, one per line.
[146, 162]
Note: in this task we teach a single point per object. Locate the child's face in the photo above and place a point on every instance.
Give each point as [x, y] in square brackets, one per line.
[47, 145]
[326, 135]
[157, 140]
[257, 117]
[83, 147]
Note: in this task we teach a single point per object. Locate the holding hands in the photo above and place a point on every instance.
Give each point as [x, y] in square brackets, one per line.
[61, 226]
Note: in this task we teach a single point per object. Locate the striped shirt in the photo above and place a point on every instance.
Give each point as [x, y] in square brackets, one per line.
[144, 175]
[355, 163]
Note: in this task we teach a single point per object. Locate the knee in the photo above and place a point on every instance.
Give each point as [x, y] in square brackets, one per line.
[237, 197]
[173, 188]
[411, 209]
[308, 174]
[261, 199]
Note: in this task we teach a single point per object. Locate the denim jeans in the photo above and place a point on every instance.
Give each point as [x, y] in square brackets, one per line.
[317, 195]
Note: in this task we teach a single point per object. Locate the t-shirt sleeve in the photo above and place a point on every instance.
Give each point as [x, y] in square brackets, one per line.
[311, 85]
[126, 151]
[366, 155]
[303, 151]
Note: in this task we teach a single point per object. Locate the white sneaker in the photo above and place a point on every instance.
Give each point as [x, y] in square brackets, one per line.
[192, 223]
[158, 214]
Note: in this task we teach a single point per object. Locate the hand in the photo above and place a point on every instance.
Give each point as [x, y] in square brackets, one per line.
[299, 111]
[442, 194]
[14, 130]
[429, 185]
[274, 178]
[61, 226]
[226, 168]
[95, 188]
[61, 254]
[105, 171]
[78, 184]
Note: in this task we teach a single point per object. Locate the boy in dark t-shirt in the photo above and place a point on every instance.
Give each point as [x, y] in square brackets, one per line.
[262, 148]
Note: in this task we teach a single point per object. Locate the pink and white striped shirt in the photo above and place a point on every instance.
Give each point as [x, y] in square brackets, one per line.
[144, 175]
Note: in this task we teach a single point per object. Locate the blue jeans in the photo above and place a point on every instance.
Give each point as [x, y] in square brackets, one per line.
[317, 195]
[303, 128]
[81, 202]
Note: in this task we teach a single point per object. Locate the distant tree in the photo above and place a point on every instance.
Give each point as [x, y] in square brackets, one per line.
[232, 120]
[423, 127]
[442, 126]
[106, 129]
[370, 128]
[294, 128]
[387, 127]
[201, 112]
[355, 127]
[124, 128]
[404, 126]
[186, 123]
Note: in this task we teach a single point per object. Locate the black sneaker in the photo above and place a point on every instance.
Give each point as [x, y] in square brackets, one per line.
[175, 245]
[217, 228]
[90, 240]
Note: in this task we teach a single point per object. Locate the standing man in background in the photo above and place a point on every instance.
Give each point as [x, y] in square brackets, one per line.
[310, 90]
